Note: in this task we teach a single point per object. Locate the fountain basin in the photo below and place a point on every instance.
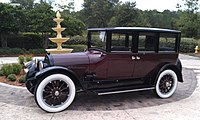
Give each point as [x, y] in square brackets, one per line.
[59, 40]
[58, 29]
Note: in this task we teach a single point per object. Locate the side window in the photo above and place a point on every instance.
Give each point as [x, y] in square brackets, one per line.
[147, 42]
[98, 40]
[167, 42]
[121, 42]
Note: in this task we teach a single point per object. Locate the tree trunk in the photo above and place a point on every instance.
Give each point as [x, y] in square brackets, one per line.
[4, 41]
[46, 41]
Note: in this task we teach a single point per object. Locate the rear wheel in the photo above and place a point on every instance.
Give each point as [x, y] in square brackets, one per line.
[166, 84]
[55, 93]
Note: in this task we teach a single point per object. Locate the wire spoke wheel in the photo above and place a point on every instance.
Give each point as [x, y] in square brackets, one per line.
[166, 84]
[55, 93]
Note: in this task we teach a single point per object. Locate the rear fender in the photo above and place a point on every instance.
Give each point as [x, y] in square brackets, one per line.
[175, 68]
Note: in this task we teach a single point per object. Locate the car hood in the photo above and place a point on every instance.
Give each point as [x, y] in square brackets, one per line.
[80, 58]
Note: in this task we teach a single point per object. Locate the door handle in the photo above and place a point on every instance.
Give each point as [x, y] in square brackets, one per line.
[133, 58]
[137, 57]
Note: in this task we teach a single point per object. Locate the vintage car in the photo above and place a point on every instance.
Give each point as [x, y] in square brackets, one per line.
[117, 60]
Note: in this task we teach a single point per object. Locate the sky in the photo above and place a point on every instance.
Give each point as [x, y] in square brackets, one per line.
[159, 5]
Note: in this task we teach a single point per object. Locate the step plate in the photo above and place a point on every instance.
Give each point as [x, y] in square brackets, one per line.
[124, 91]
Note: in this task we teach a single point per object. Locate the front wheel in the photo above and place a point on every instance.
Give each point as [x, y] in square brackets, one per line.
[55, 93]
[166, 84]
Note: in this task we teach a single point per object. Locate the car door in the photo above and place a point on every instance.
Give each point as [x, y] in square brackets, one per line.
[146, 58]
[120, 65]
[120, 62]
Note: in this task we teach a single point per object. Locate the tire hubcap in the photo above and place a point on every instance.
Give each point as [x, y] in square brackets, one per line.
[55, 93]
[166, 84]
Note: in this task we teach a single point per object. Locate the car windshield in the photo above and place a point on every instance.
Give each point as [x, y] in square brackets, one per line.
[97, 39]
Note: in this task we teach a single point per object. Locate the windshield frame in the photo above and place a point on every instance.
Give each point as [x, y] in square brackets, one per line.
[89, 39]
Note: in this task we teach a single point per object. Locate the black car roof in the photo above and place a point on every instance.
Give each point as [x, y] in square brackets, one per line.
[141, 29]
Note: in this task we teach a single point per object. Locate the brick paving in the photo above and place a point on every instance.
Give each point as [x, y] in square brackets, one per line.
[18, 103]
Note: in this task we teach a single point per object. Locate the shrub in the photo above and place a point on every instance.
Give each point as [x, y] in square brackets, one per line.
[16, 68]
[17, 51]
[27, 41]
[1, 73]
[188, 44]
[37, 51]
[22, 79]
[21, 59]
[29, 58]
[13, 51]
[77, 40]
[77, 48]
[12, 77]
[6, 69]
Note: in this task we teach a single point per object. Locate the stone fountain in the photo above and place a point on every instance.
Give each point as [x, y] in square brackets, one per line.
[59, 39]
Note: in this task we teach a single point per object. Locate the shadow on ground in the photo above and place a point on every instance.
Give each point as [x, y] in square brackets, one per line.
[92, 102]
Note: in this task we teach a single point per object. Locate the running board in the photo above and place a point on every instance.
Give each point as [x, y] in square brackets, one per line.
[124, 91]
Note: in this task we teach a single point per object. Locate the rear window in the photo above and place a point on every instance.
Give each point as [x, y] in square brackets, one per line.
[147, 42]
[167, 42]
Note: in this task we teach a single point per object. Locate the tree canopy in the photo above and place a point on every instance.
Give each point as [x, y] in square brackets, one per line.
[37, 17]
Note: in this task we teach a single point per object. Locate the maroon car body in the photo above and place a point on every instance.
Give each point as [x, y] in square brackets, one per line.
[117, 60]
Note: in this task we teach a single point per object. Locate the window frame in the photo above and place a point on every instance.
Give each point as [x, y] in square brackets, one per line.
[89, 39]
[135, 40]
[156, 47]
[128, 41]
[177, 41]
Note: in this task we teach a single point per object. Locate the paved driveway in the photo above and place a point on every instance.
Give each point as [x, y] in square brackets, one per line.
[17, 103]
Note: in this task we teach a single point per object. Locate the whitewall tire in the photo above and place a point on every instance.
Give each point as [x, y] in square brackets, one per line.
[55, 93]
[166, 84]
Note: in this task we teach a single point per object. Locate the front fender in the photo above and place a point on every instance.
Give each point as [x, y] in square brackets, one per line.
[57, 69]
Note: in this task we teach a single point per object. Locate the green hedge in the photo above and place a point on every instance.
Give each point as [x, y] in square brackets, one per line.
[35, 41]
[37, 51]
[188, 44]
[77, 40]
[77, 48]
[26, 41]
[9, 51]
[18, 51]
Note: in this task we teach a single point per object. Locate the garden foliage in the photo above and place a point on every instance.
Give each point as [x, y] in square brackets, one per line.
[8, 69]
[12, 77]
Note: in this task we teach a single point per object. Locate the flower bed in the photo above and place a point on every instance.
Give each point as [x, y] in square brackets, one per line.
[3, 79]
[13, 73]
